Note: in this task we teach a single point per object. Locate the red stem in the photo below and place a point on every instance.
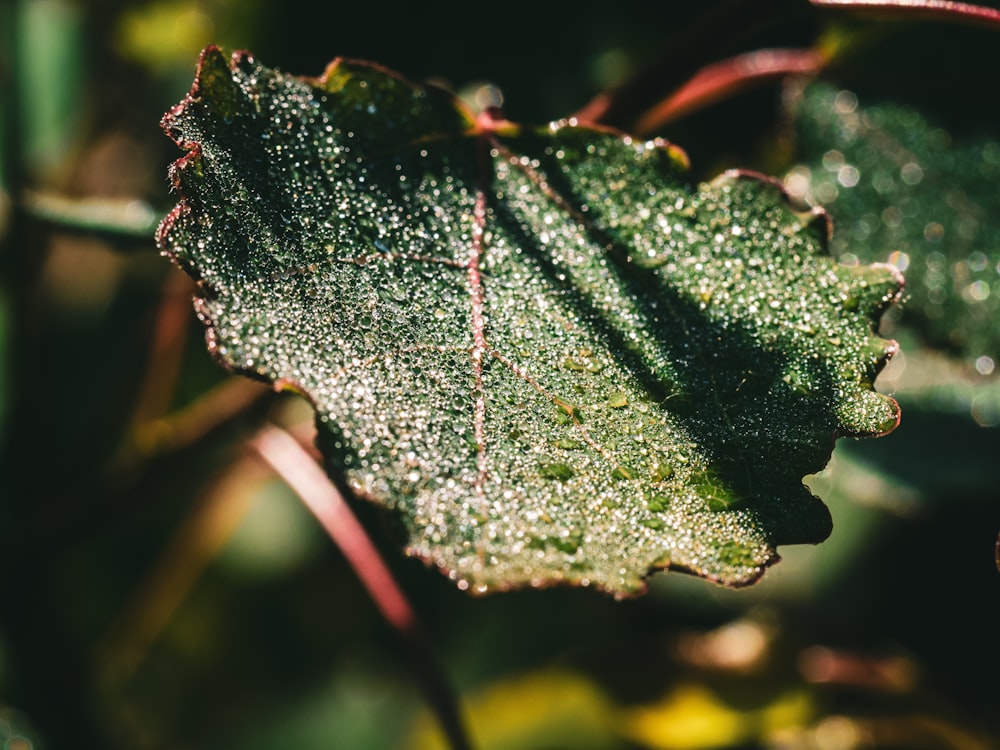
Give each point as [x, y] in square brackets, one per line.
[169, 336]
[722, 79]
[294, 464]
[291, 461]
[937, 10]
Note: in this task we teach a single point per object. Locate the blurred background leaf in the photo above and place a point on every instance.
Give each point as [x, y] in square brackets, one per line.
[905, 191]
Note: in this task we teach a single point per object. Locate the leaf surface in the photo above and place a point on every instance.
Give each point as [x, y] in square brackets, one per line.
[552, 359]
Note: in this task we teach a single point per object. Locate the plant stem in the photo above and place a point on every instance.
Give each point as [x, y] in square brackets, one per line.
[932, 10]
[199, 539]
[294, 464]
[710, 36]
[726, 77]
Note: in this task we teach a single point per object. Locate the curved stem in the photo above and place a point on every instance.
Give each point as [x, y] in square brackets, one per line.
[726, 77]
[935, 10]
[294, 464]
[708, 37]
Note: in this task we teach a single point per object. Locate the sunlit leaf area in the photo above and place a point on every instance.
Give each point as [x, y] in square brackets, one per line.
[579, 329]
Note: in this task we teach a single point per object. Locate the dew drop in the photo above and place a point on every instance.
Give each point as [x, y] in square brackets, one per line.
[977, 291]
[899, 259]
[662, 471]
[618, 400]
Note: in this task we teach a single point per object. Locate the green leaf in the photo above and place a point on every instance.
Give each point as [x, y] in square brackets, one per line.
[904, 190]
[547, 355]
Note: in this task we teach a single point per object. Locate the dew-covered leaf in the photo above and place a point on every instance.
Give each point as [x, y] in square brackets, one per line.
[552, 359]
[903, 190]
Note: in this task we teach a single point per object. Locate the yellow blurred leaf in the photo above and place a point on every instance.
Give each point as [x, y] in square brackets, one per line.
[692, 717]
[163, 35]
[540, 709]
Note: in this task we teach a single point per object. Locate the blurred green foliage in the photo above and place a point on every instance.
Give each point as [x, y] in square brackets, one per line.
[905, 191]
[158, 587]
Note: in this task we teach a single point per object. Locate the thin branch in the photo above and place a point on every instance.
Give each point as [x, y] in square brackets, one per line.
[166, 350]
[294, 464]
[290, 460]
[198, 540]
[935, 10]
[727, 77]
[719, 26]
[617, 106]
[210, 410]
[153, 429]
